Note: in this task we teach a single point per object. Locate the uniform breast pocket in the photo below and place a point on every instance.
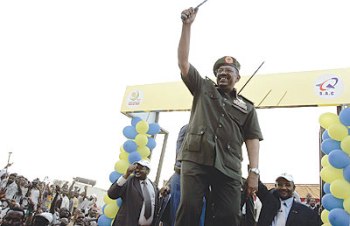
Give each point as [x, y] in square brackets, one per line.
[237, 115]
[194, 140]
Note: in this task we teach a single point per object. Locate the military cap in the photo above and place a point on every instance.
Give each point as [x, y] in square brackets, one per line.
[226, 60]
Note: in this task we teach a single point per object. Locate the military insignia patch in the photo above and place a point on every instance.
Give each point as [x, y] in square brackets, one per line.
[240, 104]
[228, 60]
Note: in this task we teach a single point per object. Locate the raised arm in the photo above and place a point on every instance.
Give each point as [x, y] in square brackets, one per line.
[188, 16]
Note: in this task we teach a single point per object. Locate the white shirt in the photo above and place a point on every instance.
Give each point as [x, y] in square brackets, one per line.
[34, 196]
[283, 213]
[65, 202]
[257, 207]
[142, 219]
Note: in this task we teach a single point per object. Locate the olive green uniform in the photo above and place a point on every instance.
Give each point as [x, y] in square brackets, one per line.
[211, 153]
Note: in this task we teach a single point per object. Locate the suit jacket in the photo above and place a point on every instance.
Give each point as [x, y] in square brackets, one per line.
[131, 194]
[299, 215]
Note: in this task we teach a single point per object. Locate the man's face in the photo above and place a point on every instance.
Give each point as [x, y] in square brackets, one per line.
[312, 202]
[226, 77]
[93, 212]
[64, 213]
[80, 219]
[141, 172]
[12, 178]
[13, 218]
[285, 188]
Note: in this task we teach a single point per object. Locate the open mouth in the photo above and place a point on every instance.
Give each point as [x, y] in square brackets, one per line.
[222, 80]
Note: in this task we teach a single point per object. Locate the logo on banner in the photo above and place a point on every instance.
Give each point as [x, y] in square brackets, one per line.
[134, 98]
[329, 86]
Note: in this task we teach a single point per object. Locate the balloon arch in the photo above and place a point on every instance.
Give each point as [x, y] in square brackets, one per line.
[299, 89]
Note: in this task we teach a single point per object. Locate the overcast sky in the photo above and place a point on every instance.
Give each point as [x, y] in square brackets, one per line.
[64, 67]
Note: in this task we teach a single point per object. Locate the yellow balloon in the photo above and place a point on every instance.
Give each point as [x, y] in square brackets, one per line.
[124, 155]
[324, 216]
[141, 140]
[122, 149]
[111, 210]
[107, 199]
[345, 144]
[144, 151]
[329, 174]
[142, 127]
[326, 224]
[340, 189]
[346, 205]
[121, 166]
[337, 131]
[327, 119]
[324, 161]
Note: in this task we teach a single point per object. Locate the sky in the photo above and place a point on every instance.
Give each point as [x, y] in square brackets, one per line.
[65, 65]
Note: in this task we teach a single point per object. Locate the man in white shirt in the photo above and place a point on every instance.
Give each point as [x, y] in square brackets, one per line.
[139, 195]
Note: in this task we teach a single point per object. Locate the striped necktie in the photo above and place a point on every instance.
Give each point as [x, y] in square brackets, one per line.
[147, 200]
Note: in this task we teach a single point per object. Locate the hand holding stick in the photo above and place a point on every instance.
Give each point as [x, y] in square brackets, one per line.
[187, 13]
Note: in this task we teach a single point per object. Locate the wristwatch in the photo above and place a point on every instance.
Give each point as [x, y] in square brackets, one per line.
[254, 170]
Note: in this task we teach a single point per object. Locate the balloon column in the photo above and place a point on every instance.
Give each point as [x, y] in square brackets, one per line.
[335, 170]
[139, 145]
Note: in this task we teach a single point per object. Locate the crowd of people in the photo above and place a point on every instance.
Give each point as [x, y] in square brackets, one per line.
[41, 203]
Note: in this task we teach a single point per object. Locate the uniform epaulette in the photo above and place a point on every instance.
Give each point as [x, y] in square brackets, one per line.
[207, 78]
[245, 99]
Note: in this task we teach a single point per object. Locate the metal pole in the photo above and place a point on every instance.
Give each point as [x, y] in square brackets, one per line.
[8, 161]
[161, 158]
[251, 76]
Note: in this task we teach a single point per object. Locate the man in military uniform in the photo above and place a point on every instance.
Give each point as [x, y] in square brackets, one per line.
[221, 121]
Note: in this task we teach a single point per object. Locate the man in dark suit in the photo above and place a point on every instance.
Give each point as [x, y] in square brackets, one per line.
[139, 195]
[279, 207]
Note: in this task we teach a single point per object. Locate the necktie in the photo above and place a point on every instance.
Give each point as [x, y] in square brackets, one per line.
[147, 200]
[281, 216]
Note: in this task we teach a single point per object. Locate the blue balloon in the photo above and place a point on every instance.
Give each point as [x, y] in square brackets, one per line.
[135, 120]
[114, 176]
[151, 143]
[104, 221]
[130, 132]
[338, 159]
[339, 217]
[130, 146]
[325, 135]
[103, 208]
[119, 202]
[344, 116]
[329, 145]
[330, 202]
[327, 188]
[153, 129]
[346, 173]
[134, 157]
